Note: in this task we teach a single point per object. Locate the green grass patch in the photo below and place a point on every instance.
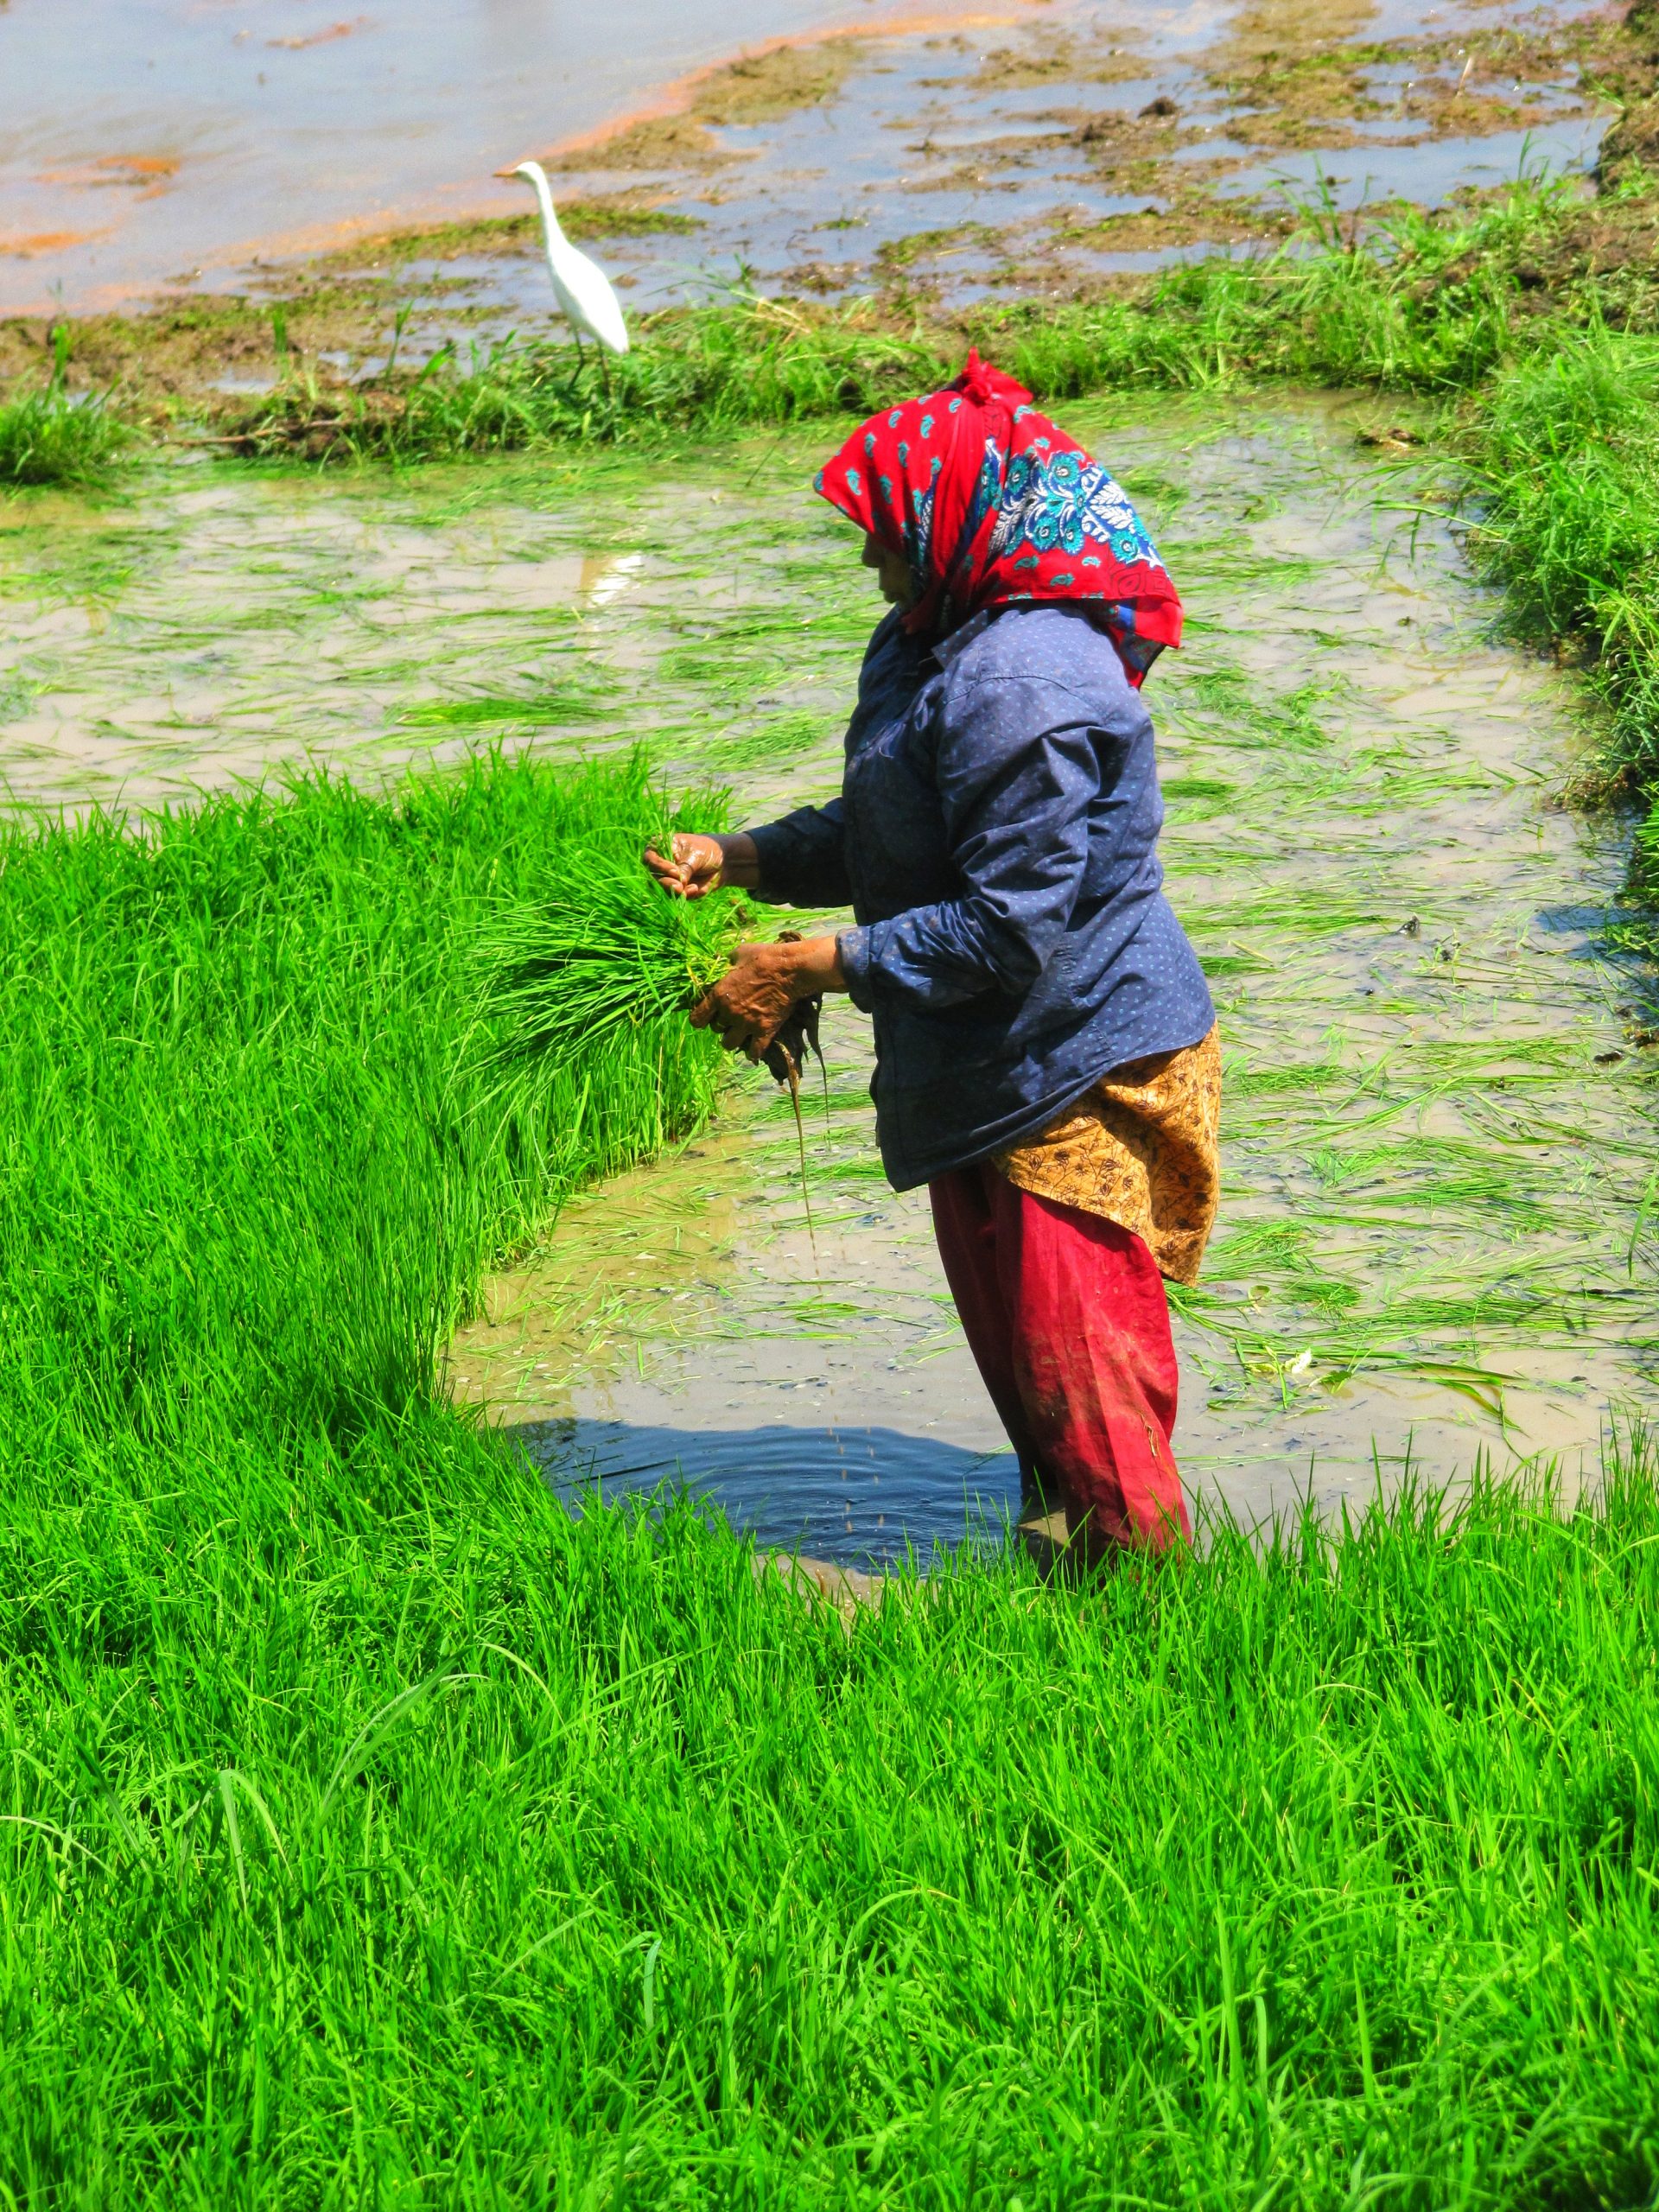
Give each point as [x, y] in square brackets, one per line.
[374, 1834]
[1562, 455]
[256, 1157]
[53, 437]
[56, 437]
[1565, 458]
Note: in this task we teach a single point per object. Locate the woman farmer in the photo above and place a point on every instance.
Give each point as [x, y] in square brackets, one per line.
[1045, 1052]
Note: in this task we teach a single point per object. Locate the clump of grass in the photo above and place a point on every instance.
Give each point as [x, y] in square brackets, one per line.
[1564, 457]
[243, 1059]
[367, 1818]
[54, 436]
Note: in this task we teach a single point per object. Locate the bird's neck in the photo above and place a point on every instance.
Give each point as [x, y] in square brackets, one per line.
[550, 214]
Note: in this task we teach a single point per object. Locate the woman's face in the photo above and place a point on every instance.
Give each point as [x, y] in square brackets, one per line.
[891, 570]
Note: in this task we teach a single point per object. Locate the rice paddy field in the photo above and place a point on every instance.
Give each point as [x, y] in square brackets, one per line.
[1439, 1113]
[396, 1815]
[1436, 1237]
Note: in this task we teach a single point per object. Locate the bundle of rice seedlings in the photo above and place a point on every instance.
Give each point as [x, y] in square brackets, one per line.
[603, 950]
[606, 951]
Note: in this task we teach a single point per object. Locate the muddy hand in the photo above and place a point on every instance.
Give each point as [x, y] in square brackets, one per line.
[693, 866]
[749, 1003]
[752, 999]
[796, 1036]
[698, 862]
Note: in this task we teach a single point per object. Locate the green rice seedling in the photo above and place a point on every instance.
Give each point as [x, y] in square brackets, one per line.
[603, 950]
[1564, 463]
[368, 1816]
[243, 1059]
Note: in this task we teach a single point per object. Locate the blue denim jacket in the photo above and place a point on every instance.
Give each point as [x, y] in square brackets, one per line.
[996, 839]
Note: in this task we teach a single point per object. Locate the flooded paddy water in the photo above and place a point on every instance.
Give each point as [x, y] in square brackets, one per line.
[143, 146]
[1434, 1240]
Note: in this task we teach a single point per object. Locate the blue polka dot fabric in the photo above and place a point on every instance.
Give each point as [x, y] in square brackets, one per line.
[996, 839]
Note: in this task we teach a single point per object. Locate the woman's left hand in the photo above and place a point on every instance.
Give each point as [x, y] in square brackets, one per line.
[749, 1002]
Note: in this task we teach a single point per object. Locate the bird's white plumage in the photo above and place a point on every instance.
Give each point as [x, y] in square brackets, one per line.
[581, 286]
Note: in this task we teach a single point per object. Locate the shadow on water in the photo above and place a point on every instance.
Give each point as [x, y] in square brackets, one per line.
[872, 1496]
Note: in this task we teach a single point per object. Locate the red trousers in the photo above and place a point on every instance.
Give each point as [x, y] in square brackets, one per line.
[1066, 1317]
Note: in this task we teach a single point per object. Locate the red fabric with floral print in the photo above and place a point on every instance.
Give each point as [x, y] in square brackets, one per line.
[991, 503]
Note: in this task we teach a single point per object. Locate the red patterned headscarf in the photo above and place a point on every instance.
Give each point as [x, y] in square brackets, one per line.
[991, 503]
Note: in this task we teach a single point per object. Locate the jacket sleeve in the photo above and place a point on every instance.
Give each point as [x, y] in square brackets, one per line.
[803, 859]
[1019, 765]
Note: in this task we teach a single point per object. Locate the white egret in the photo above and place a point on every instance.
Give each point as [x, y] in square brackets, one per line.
[581, 286]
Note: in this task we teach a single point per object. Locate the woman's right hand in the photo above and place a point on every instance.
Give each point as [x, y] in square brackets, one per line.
[697, 864]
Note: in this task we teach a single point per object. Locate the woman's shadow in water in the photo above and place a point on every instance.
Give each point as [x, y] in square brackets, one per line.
[841, 1493]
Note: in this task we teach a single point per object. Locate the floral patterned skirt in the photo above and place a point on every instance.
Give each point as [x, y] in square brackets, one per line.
[1141, 1149]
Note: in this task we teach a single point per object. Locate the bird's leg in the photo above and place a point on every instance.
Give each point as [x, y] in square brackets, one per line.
[605, 375]
[581, 362]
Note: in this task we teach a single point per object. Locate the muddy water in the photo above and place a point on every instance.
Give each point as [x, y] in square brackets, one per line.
[1437, 1130]
[138, 144]
[1100, 140]
[1436, 1238]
